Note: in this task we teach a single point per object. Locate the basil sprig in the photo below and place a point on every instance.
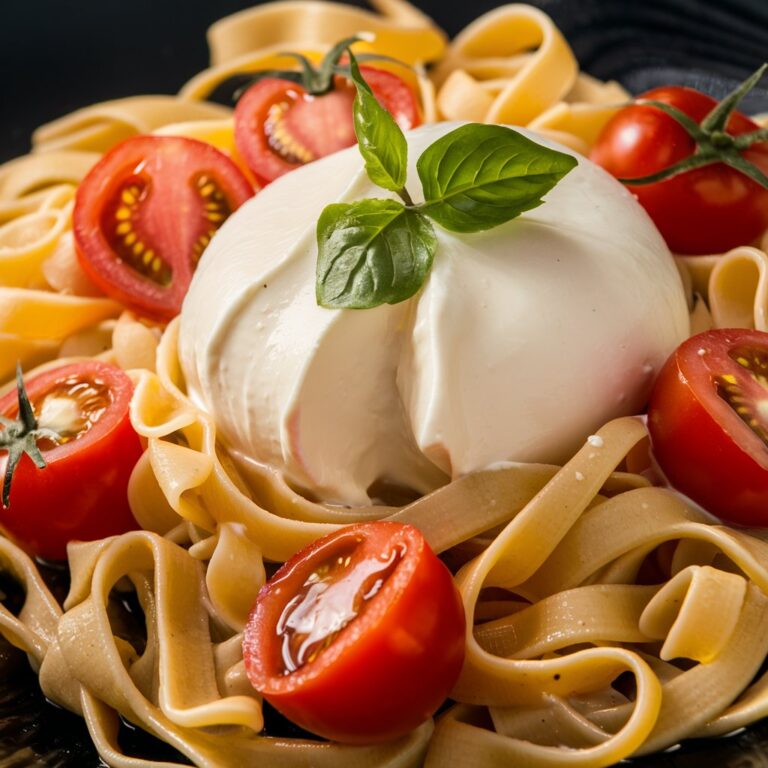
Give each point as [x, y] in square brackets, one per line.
[372, 252]
[380, 251]
[380, 140]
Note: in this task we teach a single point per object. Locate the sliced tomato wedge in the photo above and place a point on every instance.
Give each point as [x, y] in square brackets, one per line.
[359, 637]
[81, 493]
[145, 213]
[279, 126]
[708, 420]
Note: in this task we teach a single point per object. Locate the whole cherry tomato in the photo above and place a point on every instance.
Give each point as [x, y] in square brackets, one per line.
[707, 209]
[72, 421]
[708, 419]
[359, 637]
[145, 213]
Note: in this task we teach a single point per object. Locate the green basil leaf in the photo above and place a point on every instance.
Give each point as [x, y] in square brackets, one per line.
[371, 252]
[479, 176]
[382, 143]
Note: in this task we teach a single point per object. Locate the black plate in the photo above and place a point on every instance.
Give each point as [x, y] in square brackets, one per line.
[59, 59]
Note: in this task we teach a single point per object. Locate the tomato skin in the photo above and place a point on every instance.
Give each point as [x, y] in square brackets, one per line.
[706, 210]
[170, 219]
[388, 670]
[82, 492]
[330, 115]
[705, 450]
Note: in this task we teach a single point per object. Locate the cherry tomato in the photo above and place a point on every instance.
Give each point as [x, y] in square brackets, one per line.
[145, 213]
[359, 637]
[708, 419]
[279, 126]
[706, 210]
[81, 493]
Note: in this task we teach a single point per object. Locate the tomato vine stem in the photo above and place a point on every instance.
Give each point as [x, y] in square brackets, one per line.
[713, 143]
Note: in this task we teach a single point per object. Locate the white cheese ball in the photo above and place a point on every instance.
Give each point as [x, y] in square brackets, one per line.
[524, 340]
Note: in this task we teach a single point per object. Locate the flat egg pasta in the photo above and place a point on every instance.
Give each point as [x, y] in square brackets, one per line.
[573, 659]
[100, 127]
[600, 526]
[400, 29]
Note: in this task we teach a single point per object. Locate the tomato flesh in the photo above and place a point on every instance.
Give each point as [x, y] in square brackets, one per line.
[360, 637]
[279, 126]
[708, 420]
[146, 212]
[84, 403]
[706, 210]
[82, 492]
[333, 595]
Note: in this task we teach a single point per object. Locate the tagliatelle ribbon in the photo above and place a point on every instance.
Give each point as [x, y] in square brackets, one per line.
[100, 127]
[400, 30]
[492, 50]
[35, 323]
[154, 688]
[489, 74]
[702, 613]
[31, 174]
[738, 289]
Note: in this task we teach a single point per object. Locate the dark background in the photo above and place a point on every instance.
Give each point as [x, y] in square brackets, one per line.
[57, 55]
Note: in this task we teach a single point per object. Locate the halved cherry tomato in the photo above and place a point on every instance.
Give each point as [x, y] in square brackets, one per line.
[145, 213]
[708, 419]
[359, 637]
[81, 493]
[280, 127]
[706, 210]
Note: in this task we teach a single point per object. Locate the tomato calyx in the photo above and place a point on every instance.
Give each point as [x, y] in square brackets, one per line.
[316, 81]
[20, 436]
[713, 144]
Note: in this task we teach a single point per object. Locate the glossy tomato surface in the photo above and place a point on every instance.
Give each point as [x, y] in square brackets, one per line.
[82, 492]
[145, 213]
[360, 637]
[708, 419]
[280, 127]
[706, 210]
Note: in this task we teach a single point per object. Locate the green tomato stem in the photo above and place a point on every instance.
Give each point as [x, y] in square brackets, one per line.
[713, 143]
[20, 436]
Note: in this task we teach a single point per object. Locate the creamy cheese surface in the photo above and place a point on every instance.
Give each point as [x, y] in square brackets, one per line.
[524, 340]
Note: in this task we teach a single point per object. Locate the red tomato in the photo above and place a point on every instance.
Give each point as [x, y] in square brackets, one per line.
[708, 419]
[279, 126]
[359, 637]
[145, 213]
[81, 493]
[706, 210]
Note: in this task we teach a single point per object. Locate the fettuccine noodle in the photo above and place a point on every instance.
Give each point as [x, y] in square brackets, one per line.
[549, 560]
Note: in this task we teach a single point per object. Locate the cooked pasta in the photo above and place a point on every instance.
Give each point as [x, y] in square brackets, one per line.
[551, 562]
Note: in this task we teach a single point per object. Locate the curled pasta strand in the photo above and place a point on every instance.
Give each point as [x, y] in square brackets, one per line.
[35, 626]
[25, 243]
[738, 289]
[400, 30]
[31, 175]
[490, 48]
[34, 324]
[101, 126]
[63, 273]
